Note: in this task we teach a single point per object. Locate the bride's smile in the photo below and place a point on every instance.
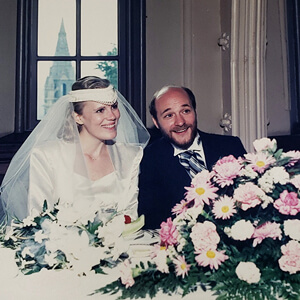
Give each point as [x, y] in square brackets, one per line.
[99, 120]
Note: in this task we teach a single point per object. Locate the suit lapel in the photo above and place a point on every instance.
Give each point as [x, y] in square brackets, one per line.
[177, 174]
[211, 154]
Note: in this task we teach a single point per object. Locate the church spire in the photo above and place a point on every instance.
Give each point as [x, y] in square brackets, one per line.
[61, 74]
[62, 48]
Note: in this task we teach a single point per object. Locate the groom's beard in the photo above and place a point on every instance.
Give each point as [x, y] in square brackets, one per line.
[182, 145]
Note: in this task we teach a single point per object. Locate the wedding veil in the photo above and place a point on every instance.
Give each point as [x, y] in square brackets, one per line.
[59, 125]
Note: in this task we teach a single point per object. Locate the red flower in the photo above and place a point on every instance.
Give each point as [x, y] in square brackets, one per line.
[127, 219]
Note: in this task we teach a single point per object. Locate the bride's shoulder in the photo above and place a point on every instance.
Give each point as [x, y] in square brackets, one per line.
[128, 152]
[52, 147]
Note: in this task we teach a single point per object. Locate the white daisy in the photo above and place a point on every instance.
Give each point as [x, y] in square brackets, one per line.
[224, 208]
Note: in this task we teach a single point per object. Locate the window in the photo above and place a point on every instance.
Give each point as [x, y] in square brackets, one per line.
[293, 27]
[62, 40]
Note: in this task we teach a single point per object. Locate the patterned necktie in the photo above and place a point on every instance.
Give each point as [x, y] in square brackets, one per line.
[192, 161]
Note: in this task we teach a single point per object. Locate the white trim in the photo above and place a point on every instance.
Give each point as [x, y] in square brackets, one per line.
[283, 37]
[248, 47]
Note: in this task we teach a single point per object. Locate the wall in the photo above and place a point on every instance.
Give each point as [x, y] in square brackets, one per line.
[206, 63]
[164, 46]
[182, 48]
[7, 65]
[278, 106]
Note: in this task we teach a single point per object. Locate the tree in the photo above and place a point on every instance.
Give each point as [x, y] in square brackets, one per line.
[110, 67]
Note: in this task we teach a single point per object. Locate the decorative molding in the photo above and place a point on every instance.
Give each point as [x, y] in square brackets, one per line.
[223, 41]
[283, 36]
[248, 49]
[226, 122]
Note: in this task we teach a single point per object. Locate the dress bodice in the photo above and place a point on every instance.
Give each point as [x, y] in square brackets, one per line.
[104, 193]
[54, 176]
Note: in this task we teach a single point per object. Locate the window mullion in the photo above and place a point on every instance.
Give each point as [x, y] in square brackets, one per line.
[78, 39]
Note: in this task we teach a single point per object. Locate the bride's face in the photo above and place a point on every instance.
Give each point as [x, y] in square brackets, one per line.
[99, 120]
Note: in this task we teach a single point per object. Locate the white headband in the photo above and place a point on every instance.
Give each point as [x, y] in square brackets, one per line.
[105, 96]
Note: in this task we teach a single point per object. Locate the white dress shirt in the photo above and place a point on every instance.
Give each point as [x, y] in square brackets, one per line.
[196, 146]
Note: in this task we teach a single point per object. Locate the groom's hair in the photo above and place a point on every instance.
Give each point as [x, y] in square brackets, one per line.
[163, 90]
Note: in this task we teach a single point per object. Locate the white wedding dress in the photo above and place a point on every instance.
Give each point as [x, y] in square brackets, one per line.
[50, 179]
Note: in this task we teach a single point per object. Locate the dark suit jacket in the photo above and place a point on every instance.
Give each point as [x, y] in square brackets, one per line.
[163, 178]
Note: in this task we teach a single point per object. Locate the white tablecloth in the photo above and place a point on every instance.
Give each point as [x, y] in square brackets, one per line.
[66, 284]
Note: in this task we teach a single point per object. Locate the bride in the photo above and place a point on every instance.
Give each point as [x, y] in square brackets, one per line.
[85, 152]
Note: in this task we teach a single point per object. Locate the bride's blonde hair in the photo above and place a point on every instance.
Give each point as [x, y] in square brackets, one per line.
[88, 82]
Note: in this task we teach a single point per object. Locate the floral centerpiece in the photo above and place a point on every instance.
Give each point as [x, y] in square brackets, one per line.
[66, 238]
[236, 233]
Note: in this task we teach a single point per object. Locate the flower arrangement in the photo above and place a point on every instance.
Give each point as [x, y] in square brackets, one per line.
[236, 233]
[65, 238]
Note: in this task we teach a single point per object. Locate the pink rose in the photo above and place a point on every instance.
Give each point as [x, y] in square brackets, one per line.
[247, 195]
[227, 169]
[290, 260]
[264, 144]
[292, 248]
[289, 264]
[204, 236]
[168, 233]
[288, 203]
[266, 230]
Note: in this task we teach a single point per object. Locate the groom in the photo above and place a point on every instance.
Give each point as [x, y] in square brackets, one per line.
[171, 161]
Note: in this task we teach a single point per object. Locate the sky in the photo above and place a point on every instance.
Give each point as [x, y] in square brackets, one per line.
[98, 31]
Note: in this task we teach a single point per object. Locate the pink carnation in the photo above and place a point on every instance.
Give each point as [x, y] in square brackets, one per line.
[290, 260]
[288, 203]
[227, 169]
[247, 195]
[204, 236]
[168, 233]
[266, 230]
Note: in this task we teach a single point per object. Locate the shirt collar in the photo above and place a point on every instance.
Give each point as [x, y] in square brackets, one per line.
[196, 146]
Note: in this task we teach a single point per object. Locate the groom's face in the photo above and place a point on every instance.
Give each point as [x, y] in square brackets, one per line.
[176, 117]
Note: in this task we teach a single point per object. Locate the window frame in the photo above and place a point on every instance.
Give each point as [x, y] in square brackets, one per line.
[131, 59]
[293, 40]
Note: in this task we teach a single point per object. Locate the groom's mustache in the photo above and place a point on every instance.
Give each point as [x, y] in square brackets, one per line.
[180, 128]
